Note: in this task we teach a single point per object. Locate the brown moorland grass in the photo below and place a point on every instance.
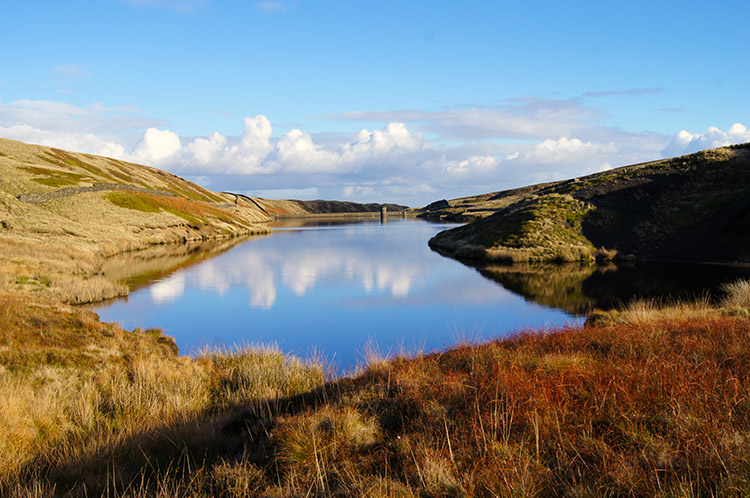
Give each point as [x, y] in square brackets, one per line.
[641, 405]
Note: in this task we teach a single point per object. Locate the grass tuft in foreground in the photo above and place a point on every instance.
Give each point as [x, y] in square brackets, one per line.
[737, 294]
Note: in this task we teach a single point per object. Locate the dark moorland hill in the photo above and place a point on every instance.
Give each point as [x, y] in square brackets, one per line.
[690, 208]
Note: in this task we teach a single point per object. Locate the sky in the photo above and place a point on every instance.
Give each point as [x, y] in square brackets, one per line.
[376, 100]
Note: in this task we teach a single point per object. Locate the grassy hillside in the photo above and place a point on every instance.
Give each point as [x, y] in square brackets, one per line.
[62, 213]
[690, 208]
[471, 208]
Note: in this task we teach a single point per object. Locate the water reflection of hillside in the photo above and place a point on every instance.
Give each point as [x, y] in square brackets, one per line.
[580, 289]
[138, 269]
[554, 286]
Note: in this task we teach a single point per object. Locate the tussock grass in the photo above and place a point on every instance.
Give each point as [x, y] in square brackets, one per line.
[642, 312]
[320, 451]
[737, 294]
[54, 271]
[604, 255]
[260, 372]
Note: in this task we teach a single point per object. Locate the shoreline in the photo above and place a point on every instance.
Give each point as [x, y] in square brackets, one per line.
[359, 215]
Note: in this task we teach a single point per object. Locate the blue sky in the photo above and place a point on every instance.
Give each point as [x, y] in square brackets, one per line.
[375, 100]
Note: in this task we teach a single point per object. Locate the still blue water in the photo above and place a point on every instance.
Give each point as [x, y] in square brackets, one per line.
[332, 289]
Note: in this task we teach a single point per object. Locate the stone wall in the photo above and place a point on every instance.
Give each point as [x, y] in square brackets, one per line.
[41, 198]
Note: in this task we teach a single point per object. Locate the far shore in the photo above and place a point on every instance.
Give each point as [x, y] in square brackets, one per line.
[364, 215]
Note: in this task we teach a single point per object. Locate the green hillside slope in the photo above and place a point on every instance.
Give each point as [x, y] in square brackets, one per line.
[690, 208]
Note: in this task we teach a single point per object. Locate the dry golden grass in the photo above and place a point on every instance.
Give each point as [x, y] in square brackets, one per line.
[54, 270]
[737, 294]
[560, 254]
[61, 368]
[642, 312]
[317, 451]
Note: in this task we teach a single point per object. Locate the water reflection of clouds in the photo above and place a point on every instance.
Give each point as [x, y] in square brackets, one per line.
[263, 265]
[459, 289]
[168, 290]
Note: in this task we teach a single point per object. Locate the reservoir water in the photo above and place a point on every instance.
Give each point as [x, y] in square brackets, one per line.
[339, 289]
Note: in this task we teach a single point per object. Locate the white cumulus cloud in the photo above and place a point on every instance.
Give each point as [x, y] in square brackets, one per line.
[214, 155]
[472, 165]
[297, 153]
[204, 150]
[256, 140]
[565, 149]
[156, 146]
[685, 142]
[256, 152]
